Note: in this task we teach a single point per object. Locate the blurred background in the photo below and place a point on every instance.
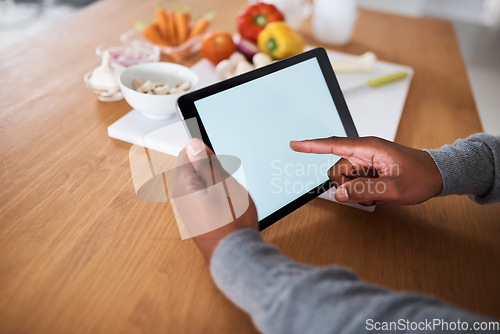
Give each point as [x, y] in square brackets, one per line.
[477, 24]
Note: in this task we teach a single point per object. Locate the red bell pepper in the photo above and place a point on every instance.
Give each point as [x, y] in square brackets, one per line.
[255, 18]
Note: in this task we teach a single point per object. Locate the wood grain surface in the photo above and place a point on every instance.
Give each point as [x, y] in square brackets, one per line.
[79, 253]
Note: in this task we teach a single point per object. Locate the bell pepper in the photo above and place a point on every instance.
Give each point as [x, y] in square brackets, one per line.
[255, 17]
[280, 41]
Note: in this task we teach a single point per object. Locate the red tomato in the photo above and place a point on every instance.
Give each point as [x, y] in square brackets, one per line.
[217, 46]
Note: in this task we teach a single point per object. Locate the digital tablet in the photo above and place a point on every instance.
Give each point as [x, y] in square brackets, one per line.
[255, 115]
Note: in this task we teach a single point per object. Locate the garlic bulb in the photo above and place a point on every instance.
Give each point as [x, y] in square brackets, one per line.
[105, 77]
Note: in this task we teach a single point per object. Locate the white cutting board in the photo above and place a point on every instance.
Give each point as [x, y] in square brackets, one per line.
[375, 111]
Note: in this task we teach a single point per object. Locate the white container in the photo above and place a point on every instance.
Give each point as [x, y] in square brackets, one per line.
[155, 106]
[333, 20]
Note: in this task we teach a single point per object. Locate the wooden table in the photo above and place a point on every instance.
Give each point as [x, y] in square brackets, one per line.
[80, 253]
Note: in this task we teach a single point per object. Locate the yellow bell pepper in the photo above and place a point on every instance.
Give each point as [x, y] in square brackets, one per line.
[280, 41]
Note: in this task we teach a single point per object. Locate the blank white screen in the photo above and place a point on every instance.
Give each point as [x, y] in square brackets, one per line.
[255, 122]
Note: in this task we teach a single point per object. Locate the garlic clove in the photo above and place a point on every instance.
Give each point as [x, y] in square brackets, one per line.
[224, 69]
[186, 85]
[243, 67]
[146, 87]
[162, 90]
[176, 90]
[236, 58]
[136, 83]
[261, 59]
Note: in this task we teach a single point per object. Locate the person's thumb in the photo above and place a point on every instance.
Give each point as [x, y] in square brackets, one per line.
[198, 154]
[363, 190]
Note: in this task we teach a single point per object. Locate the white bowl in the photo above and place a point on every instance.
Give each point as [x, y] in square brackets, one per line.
[155, 106]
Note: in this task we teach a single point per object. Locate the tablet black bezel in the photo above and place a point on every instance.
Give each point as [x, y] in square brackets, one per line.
[187, 110]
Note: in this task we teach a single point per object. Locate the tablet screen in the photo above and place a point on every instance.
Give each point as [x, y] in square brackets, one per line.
[256, 120]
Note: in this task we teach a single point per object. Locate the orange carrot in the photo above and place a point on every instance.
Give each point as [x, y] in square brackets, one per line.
[182, 25]
[171, 31]
[152, 33]
[201, 25]
[162, 19]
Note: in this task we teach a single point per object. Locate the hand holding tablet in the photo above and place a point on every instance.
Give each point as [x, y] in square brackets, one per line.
[254, 116]
[210, 203]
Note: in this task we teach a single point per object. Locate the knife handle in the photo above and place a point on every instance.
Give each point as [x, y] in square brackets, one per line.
[386, 79]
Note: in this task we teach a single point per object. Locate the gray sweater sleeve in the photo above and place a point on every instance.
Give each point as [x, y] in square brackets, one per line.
[283, 296]
[471, 167]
